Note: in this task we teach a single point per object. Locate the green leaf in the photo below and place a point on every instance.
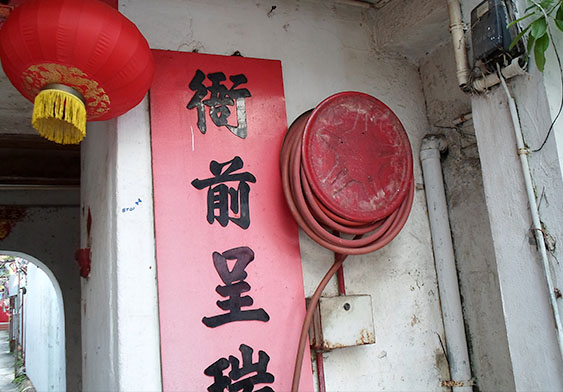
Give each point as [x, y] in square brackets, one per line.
[559, 18]
[539, 28]
[555, 5]
[519, 20]
[559, 14]
[545, 4]
[519, 36]
[531, 41]
[548, 6]
[539, 51]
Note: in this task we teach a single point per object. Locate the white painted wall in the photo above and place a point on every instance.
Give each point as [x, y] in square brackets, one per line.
[529, 321]
[44, 332]
[98, 291]
[551, 86]
[324, 48]
[547, 164]
[50, 235]
[137, 301]
[119, 301]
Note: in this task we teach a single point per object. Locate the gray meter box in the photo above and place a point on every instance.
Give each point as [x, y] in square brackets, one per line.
[490, 35]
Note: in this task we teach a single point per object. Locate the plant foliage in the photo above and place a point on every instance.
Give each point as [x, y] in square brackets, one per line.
[538, 31]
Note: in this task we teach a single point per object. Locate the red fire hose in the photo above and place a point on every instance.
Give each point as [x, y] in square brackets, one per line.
[308, 201]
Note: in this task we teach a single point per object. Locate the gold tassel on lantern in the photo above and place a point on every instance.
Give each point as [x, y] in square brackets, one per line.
[59, 114]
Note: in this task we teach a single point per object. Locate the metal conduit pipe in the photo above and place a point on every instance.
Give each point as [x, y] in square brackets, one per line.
[456, 343]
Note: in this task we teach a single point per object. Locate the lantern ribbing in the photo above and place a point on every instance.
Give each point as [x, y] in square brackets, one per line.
[59, 116]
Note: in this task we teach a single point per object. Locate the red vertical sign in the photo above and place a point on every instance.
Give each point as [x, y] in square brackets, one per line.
[229, 271]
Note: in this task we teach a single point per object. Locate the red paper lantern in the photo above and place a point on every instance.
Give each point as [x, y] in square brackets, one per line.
[75, 59]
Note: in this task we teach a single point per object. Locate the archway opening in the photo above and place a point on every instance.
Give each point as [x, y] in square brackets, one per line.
[36, 325]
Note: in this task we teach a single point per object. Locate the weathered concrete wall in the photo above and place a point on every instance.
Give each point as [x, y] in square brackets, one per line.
[444, 99]
[469, 222]
[476, 264]
[51, 235]
[554, 90]
[99, 329]
[533, 347]
[412, 29]
[44, 332]
[15, 109]
[547, 163]
[532, 341]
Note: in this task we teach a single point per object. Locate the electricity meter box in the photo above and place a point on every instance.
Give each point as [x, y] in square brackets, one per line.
[491, 38]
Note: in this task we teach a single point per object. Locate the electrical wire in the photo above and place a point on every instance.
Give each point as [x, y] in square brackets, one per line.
[561, 105]
[320, 224]
[536, 222]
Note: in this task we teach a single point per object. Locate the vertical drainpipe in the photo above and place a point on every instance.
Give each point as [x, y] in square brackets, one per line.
[458, 40]
[456, 343]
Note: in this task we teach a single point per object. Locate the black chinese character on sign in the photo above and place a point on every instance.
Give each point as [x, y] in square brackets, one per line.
[234, 381]
[220, 98]
[234, 287]
[219, 194]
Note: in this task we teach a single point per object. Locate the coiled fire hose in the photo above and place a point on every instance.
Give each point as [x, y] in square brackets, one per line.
[318, 164]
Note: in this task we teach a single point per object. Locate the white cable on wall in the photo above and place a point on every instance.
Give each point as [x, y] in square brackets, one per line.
[537, 229]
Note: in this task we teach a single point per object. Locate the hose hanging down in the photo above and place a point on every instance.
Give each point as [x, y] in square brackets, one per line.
[346, 168]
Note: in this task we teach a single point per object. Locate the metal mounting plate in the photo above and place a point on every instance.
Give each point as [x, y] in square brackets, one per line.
[343, 321]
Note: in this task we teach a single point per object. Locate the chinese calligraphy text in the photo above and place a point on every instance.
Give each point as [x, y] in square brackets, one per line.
[219, 194]
[234, 287]
[220, 98]
[221, 382]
